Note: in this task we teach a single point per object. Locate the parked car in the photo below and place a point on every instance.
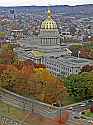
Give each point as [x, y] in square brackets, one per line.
[77, 117]
[83, 104]
[70, 108]
[90, 101]
[90, 121]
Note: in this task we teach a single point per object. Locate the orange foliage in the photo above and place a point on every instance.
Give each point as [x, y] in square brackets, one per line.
[26, 70]
[87, 68]
[7, 67]
[2, 67]
[90, 39]
[86, 53]
[50, 98]
[39, 66]
[7, 56]
[36, 81]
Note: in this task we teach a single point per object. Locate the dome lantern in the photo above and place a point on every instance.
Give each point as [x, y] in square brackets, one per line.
[49, 13]
[49, 23]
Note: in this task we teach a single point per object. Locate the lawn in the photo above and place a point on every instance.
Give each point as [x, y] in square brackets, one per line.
[23, 116]
[13, 112]
[70, 100]
[89, 114]
[38, 53]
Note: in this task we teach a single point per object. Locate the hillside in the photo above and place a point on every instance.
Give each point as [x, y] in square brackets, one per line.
[64, 9]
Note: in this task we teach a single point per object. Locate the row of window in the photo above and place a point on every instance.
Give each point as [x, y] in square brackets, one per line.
[67, 69]
[53, 64]
[58, 68]
[53, 68]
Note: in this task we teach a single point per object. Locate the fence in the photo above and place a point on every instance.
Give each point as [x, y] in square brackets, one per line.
[4, 120]
[29, 105]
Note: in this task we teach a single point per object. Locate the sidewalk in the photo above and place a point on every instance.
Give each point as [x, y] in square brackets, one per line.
[36, 119]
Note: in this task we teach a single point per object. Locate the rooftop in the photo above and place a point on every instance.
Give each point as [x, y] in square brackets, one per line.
[75, 61]
[37, 53]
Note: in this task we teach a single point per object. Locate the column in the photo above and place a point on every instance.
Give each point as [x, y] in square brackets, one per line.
[41, 41]
[46, 41]
[50, 41]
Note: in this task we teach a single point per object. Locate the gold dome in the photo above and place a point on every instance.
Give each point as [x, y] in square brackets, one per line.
[49, 23]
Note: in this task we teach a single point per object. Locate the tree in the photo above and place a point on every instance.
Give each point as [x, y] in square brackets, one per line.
[87, 68]
[53, 89]
[7, 55]
[28, 81]
[8, 79]
[1, 61]
[74, 49]
[80, 86]
[43, 86]
[9, 76]
[86, 50]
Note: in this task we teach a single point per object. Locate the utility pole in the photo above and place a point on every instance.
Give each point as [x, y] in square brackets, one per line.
[60, 113]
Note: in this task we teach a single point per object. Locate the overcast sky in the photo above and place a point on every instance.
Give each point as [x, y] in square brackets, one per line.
[43, 2]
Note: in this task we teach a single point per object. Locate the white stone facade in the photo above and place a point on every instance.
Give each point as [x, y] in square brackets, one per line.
[65, 65]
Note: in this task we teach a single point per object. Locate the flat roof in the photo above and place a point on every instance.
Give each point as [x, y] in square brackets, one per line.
[73, 61]
[37, 53]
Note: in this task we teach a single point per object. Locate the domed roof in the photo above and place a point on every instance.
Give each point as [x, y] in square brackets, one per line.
[49, 23]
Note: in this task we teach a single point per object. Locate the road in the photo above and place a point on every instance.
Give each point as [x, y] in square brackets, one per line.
[75, 112]
[78, 122]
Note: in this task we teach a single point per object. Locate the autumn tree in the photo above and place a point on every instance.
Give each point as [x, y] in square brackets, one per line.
[27, 80]
[87, 68]
[86, 50]
[7, 55]
[53, 89]
[8, 78]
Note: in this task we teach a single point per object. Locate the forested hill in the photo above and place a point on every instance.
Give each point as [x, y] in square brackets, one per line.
[65, 9]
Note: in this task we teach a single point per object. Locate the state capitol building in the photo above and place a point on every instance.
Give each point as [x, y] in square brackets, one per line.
[45, 48]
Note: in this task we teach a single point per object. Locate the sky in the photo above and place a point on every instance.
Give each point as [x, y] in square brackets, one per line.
[43, 2]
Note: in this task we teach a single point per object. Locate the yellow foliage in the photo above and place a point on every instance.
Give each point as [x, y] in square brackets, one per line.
[39, 70]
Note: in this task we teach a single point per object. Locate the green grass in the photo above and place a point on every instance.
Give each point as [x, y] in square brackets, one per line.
[11, 111]
[20, 115]
[2, 34]
[38, 53]
[89, 114]
[69, 100]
